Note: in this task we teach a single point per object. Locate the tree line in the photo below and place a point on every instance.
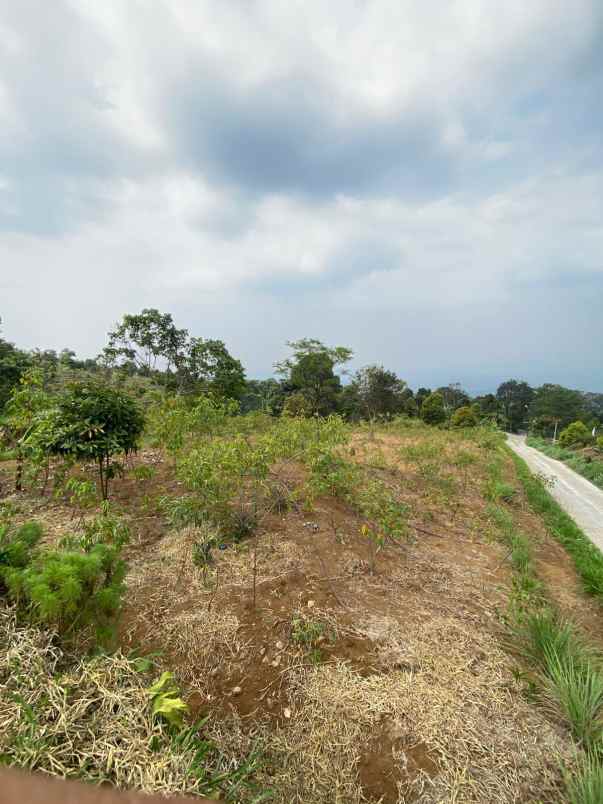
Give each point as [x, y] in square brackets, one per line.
[147, 351]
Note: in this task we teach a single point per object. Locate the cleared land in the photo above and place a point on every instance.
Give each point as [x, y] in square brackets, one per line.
[350, 670]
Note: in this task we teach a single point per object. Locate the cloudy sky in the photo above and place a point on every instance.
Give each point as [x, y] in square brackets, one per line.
[419, 180]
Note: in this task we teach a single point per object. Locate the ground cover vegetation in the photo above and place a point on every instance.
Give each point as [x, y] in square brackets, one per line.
[316, 588]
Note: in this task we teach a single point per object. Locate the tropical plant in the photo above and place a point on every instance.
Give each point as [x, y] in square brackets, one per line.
[575, 434]
[93, 421]
[432, 409]
[464, 417]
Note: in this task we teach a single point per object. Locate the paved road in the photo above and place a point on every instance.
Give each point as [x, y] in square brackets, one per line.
[582, 501]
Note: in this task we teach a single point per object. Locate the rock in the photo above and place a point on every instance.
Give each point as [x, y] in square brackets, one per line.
[287, 712]
[237, 690]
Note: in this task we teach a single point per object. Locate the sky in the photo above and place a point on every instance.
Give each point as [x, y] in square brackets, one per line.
[420, 181]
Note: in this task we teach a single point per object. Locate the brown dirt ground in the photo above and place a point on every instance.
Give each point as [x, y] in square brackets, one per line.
[407, 695]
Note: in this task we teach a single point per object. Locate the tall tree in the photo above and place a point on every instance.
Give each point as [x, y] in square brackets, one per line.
[378, 391]
[149, 341]
[515, 398]
[310, 371]
[207, 365]
[559, 404]
[453, 397]
[13, 365]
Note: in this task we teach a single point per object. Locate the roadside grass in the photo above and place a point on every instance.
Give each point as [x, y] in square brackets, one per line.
[566, 674]
[590, 469]
[586, 786]
[587, 558]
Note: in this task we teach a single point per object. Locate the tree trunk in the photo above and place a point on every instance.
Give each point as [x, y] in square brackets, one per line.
[19, 471]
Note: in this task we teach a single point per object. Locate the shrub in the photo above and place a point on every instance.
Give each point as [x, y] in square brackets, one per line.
[65, 590]
[464, 417]
[600, 442]
[68, 589]
[432, 409]
[297, 405]
[95, 422]
[575, 434]
[331, 474]
[16, 545]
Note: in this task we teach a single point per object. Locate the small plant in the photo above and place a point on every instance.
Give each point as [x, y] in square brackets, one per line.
[17, 546]
[332, 475]
[143, 472]
[95, 422]
[82, 495]
[108, 528]
[166, 701]
[575, 689]
[307, 632]
[206, 538]
[67, 590]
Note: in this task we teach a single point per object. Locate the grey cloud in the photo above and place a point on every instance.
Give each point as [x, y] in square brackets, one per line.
[286, 137]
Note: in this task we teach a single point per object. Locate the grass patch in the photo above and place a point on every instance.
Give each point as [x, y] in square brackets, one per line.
[586, 786]
[570, 678]
[588, 560]
[590, 469]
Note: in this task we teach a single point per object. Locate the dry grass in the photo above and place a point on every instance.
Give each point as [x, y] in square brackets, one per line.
[92, 722]
[457, 701]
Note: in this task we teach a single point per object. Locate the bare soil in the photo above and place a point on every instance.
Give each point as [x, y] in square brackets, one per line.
[408, 693]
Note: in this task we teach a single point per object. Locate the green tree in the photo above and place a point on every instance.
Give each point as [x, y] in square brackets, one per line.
[464, 416]
[310, 372]
[265, 395]
[93, 421]
[575, 434]
[559, 404]
[148, 341]
[13, 365]
[421, 395]
[432, 409]
[378, 392]
[515, 398]
[453, 397]
[206, 366]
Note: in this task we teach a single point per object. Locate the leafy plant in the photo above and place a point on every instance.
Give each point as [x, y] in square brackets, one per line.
[576, 433]
[307, 632]
[432, 410]
[95, 422]
[166, 701]
[464, 416]
[67, 590]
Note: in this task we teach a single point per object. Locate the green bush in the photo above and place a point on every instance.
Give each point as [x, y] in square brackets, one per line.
[600, 442]
[297, 405]
[432, 409]
[575, 434]
[16, 545]
[65, 590]
[464, 417]
[94, 422]
[69, 590]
